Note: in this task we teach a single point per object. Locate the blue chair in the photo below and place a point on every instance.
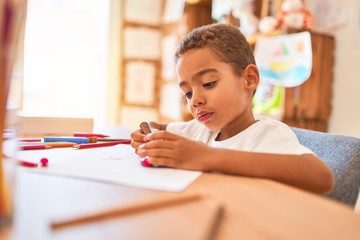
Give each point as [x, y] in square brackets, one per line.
[342, 154]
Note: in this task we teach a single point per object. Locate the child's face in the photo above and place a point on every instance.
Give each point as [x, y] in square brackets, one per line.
[215, 95]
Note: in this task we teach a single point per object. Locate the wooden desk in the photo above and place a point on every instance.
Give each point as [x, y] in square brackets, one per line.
[254, 209]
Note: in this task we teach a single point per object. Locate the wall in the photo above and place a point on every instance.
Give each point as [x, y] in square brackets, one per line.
[345, 118]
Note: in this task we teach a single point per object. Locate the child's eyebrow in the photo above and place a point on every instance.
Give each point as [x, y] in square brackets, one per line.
[200, 74]
[203, 72]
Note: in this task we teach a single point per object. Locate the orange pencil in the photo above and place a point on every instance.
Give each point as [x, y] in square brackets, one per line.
[87, 134]
[102, 144]
[60, 144]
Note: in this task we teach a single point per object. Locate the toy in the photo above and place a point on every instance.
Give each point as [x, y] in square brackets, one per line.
[268, 24]
[248, 21]
[294, 15]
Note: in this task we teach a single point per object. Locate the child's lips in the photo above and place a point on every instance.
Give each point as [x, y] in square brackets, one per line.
[204, 116]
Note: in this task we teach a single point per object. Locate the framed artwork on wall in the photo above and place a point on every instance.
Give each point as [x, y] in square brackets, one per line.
[168, 48]
[142, 43]
[140, 77]
[146, 12]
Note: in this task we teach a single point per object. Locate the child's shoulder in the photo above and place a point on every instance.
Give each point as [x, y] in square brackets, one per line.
[274, 136]
[270, 122]
[268, 125]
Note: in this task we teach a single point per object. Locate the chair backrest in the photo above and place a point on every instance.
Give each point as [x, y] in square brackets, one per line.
[342, 154]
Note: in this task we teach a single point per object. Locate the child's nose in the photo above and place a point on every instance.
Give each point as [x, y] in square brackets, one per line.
[197, 99]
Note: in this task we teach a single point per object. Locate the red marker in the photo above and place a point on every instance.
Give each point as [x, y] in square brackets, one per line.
[102, 144]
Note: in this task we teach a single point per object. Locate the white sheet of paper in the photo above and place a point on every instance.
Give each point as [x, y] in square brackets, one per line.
[117, 164]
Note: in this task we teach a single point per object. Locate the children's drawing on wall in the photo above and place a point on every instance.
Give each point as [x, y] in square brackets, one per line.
[268, 99]
[139, 83]
[328, 15]
[283, 61]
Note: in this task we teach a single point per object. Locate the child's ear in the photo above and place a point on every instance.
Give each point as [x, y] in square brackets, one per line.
[251, 74]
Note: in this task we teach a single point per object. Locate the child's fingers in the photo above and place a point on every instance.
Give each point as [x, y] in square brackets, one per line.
[135, 144]
[161, 135]
[161, 161]
[137, 136]
[159, 145]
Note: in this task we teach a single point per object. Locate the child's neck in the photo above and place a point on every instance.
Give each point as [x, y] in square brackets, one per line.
[231, 131]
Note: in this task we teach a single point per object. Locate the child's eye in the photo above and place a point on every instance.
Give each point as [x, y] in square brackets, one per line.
[209, 84]
[188, 95]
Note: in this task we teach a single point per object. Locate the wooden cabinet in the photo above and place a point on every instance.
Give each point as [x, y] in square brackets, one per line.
[309, 105]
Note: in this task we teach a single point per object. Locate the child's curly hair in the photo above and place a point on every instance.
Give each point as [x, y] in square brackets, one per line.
[227, 42]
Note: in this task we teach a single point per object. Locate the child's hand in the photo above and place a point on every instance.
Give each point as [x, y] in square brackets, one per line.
[138, 136]
[170, 150]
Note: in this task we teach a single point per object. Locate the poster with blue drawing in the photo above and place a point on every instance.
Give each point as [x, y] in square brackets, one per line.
[284, 60]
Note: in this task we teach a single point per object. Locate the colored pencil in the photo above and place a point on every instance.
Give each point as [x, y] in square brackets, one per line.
[43, 162]
[34, 147]
[60, 144]
[100, 144]
[215, 223]
[130, 209]
[27, 163]
[87, 134]
[52, 144]
[77, 140]
[30, 140]
[128, 141]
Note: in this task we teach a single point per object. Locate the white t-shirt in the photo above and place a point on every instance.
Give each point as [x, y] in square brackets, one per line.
[265, 135]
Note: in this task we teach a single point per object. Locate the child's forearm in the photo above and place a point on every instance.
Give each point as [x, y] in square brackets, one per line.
[303, 171]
